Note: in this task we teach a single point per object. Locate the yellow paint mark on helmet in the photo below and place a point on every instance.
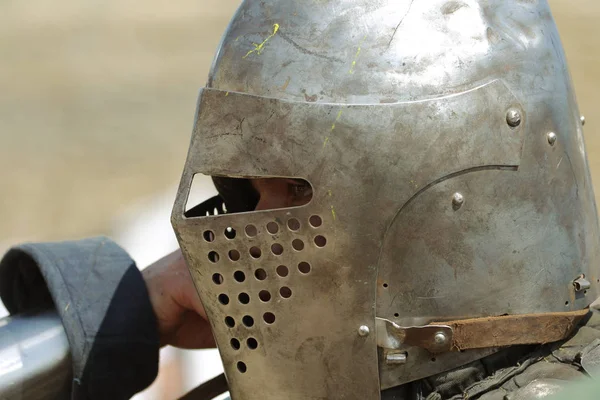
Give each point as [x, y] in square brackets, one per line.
[258, 48]
[356, 56]
[339, 114]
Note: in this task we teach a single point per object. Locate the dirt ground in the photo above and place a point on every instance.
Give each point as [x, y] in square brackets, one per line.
[97, 100]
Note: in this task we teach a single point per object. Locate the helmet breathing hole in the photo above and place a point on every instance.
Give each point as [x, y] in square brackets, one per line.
[320, 241]
[251, 230]
[282, 271]
[229, 321]
[242, 367]
[272, 227]
[264, 295]
[255, 252]
[315, 221]
[285, 292]
[239, 276]
[252, 343]
[223, 299]
[304, 267]
[277, 249]
[385, 285]
[248, 321]
[260, 274]
[209, 236]
[244, 298]
[235, 344]
[293, 224]
[234, 255]
[213, 256]
[230, 233]
[297, 244]
[217, 278]
[396, 315]
[269, 318]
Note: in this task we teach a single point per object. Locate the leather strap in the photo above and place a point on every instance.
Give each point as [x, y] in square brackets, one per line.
[512, 330]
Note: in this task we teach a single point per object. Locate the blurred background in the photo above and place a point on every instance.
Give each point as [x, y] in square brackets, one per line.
[97, 101]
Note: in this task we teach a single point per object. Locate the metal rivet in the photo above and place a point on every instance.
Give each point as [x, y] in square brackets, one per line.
[582, 120]
[395, 358]
[457, 200]
[552, 138]
[363, 330]
[440, 338]
[513, 117]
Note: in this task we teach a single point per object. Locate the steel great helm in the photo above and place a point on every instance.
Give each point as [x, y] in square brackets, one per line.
[452, 214]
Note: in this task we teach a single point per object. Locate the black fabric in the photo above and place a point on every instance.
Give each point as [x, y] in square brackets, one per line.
[103, 302]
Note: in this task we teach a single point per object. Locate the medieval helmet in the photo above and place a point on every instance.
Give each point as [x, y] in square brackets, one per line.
[453, 212]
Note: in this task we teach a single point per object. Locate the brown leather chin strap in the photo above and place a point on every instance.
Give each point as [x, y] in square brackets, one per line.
[480, 333]
[512, 330]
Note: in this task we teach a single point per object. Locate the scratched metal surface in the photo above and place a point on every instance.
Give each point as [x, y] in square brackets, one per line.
[394, 108]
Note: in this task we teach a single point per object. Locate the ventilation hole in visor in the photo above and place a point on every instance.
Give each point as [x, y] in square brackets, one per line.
[315, 221]
[209, 236]
[285, 292]
[264, 295]
[260, 274]
[320, 241]
[251, 230]
[229, 321]
[396, 315]
[269, 318]
[298, 244]
[217, 278]
[293, 224]
[282, 271]
[239, 276]
[277, 249]
[272, 228]
[213, 256]
[223, 299]
[235, 344]
[252, 343]
[244, 298]
[242, 367]
[304, 267]
[234, 255]
[230, 233]
[255, 252]
[248, 321]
